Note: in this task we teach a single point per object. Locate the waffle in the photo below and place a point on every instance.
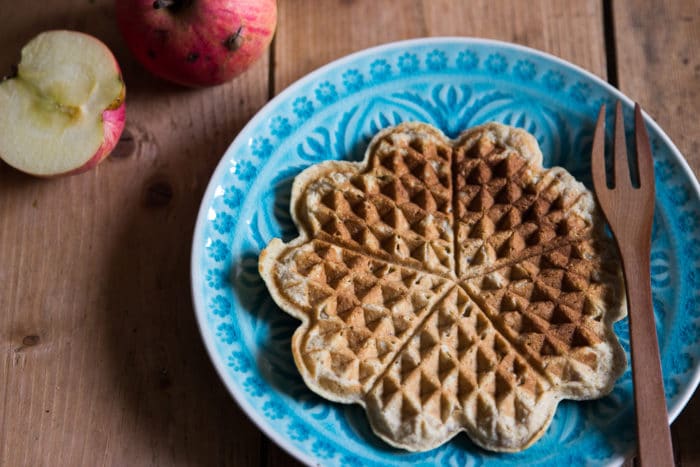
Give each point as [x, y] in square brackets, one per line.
[450, 286]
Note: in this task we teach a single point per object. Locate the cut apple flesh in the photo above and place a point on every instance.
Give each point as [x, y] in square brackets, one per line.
[51, 112]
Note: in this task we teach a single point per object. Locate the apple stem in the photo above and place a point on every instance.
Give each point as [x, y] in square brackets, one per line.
[171, 4]
[158, 4]
[235, 40]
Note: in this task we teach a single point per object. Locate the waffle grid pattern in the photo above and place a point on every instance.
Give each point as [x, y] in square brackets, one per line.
[449, 288]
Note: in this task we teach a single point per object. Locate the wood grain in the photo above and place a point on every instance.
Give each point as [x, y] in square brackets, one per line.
[659, 66]
[101, 361]
[316, 33]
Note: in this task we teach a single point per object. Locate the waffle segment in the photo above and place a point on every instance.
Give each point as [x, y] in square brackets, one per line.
[357, 311]
[506, 207]
[399, 208]
[553, 308]
[458, 372]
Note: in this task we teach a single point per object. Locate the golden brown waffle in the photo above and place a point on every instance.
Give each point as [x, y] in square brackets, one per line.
[399, 209]
[450, 286]
[506, 207]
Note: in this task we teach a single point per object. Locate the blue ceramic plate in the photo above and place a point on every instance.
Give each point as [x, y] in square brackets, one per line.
[452, 83]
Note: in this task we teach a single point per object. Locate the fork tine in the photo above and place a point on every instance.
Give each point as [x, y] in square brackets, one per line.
[598, 153]
[645, 163]
[621, 166]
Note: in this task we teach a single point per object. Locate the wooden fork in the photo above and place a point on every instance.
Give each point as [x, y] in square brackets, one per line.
[629, 213]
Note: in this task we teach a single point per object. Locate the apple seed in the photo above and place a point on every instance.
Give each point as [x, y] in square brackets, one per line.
[13, 73]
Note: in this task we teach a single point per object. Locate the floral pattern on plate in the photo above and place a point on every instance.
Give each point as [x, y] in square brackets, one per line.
[332, 114]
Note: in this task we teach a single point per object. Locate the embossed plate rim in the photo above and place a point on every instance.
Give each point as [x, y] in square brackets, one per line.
[265, 112]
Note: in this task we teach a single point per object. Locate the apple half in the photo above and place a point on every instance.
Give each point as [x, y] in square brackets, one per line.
[63, 110]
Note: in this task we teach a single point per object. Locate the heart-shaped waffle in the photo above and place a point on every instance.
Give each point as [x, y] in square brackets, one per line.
[450, 286]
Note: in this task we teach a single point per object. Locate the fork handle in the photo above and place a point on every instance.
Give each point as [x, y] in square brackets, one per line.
[653, 433]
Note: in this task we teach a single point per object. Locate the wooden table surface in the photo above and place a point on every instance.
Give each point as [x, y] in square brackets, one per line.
[101, 362]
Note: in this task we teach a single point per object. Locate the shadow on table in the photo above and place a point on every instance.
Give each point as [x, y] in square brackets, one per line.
[169, 389]
[170, 393]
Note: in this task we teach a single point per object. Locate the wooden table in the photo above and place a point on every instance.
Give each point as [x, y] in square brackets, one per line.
[101, 361]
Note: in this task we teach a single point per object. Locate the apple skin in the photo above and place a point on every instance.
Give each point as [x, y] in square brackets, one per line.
[197, 42]
[113, 122]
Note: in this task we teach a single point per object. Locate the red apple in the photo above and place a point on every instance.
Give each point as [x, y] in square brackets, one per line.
[197, 42]
[63, 110]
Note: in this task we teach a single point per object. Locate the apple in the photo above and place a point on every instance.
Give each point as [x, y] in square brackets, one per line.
[197, 42]
[62, 110]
